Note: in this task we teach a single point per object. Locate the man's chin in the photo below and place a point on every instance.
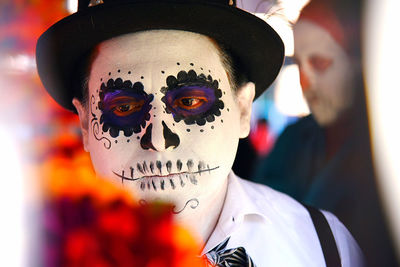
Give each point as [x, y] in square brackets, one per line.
[324, 118]
[179, 201]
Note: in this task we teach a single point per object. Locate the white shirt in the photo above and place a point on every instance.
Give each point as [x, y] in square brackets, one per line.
[275, 229]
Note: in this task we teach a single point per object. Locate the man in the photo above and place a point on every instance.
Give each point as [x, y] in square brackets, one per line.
[324, 159]
[164, 96]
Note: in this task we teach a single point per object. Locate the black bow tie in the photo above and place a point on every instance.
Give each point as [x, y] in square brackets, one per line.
[234, 257]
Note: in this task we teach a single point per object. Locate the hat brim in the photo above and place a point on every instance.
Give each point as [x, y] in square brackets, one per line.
[257, 46]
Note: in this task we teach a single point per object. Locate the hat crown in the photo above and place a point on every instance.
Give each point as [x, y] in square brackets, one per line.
[85, 4]
[60, 65]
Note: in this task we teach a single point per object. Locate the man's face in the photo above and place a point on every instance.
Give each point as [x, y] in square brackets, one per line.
[162, 118]
[325, 72]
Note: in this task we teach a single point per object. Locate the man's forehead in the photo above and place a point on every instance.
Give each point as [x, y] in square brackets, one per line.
[310, 37]
[157, 46]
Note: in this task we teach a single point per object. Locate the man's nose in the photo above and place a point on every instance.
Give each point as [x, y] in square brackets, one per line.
[304, 80]
[159, 137]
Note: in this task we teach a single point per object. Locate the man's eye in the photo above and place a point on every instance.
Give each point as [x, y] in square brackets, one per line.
[126, 109]
[320, 63]
[190, 102]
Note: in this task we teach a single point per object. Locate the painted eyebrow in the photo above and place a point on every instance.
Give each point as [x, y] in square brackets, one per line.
[184, 78]
[120, 84]
[197, 81]
[192, 85]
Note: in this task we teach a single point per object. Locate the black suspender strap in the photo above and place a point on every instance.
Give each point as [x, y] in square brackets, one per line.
[326, 238]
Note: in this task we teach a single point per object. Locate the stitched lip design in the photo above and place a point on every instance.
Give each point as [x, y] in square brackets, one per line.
[158, 175]
[122, 175]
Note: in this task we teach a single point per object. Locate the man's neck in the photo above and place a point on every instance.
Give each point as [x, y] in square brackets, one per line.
[202, 220]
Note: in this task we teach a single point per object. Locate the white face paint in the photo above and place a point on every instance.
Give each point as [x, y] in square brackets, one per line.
[163, 139]
[325, 72]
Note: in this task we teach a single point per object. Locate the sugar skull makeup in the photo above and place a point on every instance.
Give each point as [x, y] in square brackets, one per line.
[192, 98]
[163, 120]
[124, 106]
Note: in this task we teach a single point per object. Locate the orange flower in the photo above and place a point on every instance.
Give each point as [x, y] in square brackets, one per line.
[89, 221]
[75, 177]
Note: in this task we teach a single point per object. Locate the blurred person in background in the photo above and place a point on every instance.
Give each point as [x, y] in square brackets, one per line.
[324, 159]
[163, 101]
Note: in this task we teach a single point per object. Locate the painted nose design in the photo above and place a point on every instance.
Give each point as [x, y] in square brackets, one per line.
[171, 140]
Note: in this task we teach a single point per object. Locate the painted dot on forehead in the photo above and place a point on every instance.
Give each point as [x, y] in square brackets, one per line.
[177, 63]
[119, 70]
[109, 73]
[129, 72]
[191, 64]
[141, 77]
[162, 72]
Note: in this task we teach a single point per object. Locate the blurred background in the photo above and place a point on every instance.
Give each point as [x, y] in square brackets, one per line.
[349, 167]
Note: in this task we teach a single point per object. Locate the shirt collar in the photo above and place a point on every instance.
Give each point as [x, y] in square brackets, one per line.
[239, 203]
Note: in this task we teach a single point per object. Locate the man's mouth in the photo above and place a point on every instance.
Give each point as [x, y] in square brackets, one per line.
[160, 178]
[122, 175]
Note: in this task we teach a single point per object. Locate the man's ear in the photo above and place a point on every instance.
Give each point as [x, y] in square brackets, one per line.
[83, 118]
[245, 95]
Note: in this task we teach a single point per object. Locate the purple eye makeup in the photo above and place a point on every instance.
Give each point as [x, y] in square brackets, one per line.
[124, 106]
[192, 98]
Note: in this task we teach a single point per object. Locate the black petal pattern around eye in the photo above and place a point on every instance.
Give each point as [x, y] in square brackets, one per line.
[190, 79]
[131, 123]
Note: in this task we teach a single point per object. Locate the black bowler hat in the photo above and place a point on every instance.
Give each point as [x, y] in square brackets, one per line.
[252, 41]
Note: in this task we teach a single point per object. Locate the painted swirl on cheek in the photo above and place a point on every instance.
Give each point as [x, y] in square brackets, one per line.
[192, 98]
[124, 106]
